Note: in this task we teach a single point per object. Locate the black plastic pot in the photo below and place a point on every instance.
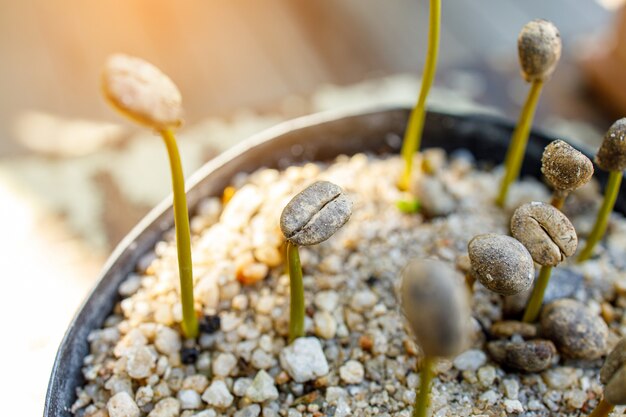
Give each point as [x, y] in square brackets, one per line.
[313, 138]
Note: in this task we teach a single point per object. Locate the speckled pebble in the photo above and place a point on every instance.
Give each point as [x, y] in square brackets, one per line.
[470, 360]
[218, 395]
[352, 372]
[122, 405]
[574, 329]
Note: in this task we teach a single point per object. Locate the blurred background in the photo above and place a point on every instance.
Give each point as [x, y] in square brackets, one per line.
[75, 177]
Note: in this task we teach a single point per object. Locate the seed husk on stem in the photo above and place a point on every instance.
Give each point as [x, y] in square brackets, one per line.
[311, 217]
[610, 157]
[539, 49]
[141, 92]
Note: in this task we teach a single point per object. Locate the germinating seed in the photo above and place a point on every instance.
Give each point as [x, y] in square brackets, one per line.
[548, 235]
[501, 263]
[539, 49]
[565, 168]
[315, 214]
[612, 153]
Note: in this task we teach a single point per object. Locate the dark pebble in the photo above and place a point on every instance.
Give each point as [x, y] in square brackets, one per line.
[188, 356]
[528, 356]
[210, 324]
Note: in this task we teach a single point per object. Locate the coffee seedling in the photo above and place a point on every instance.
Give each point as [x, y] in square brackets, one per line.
[501, 263]
[437, 310]
[550, 237]
[311, 217]
[613, 376]
[140, 91]
[610, 157]
[565, 170]
[539, 49]
[415, 126]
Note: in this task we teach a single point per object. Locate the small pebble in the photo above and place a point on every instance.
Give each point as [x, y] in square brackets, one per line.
[189, 399]
[250, 411]
[470, 360]
[167, 407]
[529, 356]
[304, 359]
[560, 378]
[352, 372]
[167, 341]
[218, 395]
[224, 364]
[122, 405]
[576, 332]
[262, 388]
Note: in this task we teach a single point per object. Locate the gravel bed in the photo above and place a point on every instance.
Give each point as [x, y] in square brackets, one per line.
[357, 358]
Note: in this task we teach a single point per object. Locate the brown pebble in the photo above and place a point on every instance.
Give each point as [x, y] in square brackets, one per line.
[435, 303]
[608, 312]
[281, 378]
[574, 329]
[508, 328]
[539, 49]
[315, 214]
[410, 347]
[612, 153]
[547, 233]
[501, 263]
[142, 92]
[528, 356]
[366, 343]
[565, 168]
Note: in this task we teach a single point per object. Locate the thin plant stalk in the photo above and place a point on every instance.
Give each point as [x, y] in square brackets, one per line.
[536, 299]
[422, 397]
[558, 199]
[517, 147]
[603, 409]
[296, 306]
[610, 196]
[415, 127]
[183, 240]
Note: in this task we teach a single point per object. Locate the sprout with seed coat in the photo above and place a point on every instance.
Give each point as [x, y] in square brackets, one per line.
[610, 157]
[140, 91]
[539, 49]
[565, 169]
[437, 309]
[550, 237]
[613, 376]
[311, 217]
[501, 263]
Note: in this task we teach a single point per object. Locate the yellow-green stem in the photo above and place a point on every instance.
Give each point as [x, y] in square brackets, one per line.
[536, 298]
[422, 397]
[415, 126]
[183, 237]
[296, 289]
[602, 220]
[603, 409]
[517, 147]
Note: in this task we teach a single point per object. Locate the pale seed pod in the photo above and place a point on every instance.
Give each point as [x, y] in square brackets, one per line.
[547, 233]
[612, 153]
[565, 168]
[501, 263]
[315, 214]
[539, 49]
[142, 92]
[435, 303]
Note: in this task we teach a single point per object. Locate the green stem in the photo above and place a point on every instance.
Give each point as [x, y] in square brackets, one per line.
[183, 237]
[536, 299]
[413, 132]
[517, 147]
[602, 409]
[422, 397]
[610, 196]
[296, 289]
